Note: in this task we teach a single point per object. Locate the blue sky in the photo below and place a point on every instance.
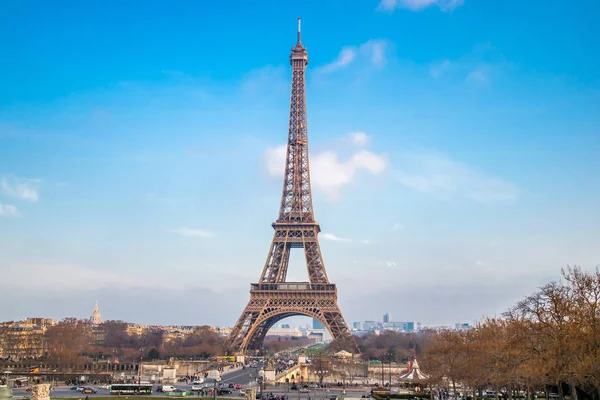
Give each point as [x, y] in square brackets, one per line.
[454, 153]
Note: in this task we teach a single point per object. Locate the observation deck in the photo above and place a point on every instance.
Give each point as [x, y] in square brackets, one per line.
[293, 287]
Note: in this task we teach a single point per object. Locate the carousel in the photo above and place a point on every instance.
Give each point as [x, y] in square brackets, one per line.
[414, 379]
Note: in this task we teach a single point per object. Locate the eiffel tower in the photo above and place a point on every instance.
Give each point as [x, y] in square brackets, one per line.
[272, 298]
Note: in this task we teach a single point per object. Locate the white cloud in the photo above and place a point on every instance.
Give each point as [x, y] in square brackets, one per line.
[21, 188]
[275, 160]
[440, 176]
[373, 50]
[418, 5]
[331, 236]
[345, 58]
[397, 227]
[388, 263]
[191, 232]
[359, 138]
[328, 173]
[365, 241]
[7, 210]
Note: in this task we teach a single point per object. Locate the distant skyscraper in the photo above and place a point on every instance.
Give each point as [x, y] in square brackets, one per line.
[285, 326]
[317, 324]
[369, 325]
[462, 326]
[96, 318]
[386, 318]
[356, 325]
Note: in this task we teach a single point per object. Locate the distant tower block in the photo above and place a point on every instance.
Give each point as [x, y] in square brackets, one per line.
[386, 318]
[96, 318]
[317, 325]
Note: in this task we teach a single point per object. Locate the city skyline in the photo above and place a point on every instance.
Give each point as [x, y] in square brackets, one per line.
[96, 318]
[141, 161]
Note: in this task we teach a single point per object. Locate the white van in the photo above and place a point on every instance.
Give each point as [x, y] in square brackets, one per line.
[168, 388]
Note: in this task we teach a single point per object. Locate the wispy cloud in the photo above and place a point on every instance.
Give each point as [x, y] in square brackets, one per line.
[48, 278]
[359, 138]
[439, 68]
[21, 188]
[329, 174]
[192, 232]
[438, 175]
[417, 5]
[8, 210]
[397, 227]
[388, 263]
[332, 237]
[479, 75]
[477, 67]
[267, 78]
[373, 51]
[346, 57]
[365, 241]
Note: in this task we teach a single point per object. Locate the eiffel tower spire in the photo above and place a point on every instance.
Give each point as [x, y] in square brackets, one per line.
[273, 298]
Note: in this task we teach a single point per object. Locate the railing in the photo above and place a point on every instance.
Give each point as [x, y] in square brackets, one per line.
[294, 286]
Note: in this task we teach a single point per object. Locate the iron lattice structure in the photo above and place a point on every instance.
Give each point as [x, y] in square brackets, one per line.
[272, 298]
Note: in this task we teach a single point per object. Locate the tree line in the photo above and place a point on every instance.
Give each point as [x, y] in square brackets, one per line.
[72, 341]
[548, 342]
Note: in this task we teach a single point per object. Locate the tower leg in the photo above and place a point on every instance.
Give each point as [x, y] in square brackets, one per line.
[266, 309]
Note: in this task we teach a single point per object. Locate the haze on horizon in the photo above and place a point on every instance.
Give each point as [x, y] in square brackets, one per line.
[454, 154]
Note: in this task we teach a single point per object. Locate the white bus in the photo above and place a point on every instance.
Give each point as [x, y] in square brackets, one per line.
[131, 388]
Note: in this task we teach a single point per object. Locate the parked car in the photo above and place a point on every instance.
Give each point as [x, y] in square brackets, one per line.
[88, 390]
[223, 391]
[242, 392]
[237, 386]
[303, 390]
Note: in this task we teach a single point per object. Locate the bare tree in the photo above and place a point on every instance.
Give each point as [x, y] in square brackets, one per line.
[321, 367]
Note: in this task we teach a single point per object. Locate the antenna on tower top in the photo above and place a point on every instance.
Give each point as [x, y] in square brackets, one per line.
[299, 19]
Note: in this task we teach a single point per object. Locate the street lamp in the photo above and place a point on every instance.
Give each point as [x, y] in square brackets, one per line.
[383, 356]
[7, 373]
[140, 371]
[261, 380]
[321, 375]
[216, 376]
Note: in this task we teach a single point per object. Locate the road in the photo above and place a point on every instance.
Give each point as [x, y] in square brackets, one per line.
[242, 376]
[319, 394]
